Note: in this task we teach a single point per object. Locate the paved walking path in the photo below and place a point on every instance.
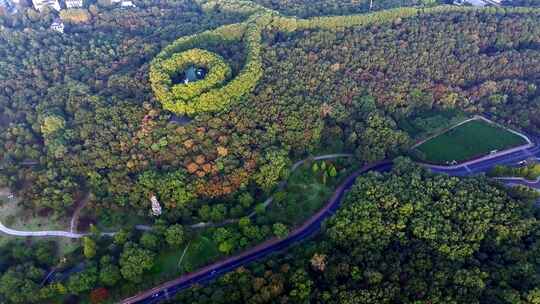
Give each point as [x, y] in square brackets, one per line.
[279, 187]
[48, 233]
[472, 167]
[310, 226]
[164, 291]
[77, 213]
[74, 220]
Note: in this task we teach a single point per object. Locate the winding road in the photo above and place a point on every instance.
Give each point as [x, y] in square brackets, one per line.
[484, 164]
[208, 273]
[169, 289]
[47, 233]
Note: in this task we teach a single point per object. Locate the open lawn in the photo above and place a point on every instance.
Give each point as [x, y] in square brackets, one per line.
[306, 192]
[470, 140]
[201, 251]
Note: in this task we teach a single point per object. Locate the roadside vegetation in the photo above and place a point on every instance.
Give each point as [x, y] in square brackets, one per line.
[15, 216]
[467, 141]
[530, 171]
[312, 8]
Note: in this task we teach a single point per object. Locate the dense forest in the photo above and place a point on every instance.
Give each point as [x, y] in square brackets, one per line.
[407, 236]
[343, 89]
[88, 114]
[72, 103]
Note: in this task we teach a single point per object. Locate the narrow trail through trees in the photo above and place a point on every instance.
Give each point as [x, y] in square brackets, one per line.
[76, 214]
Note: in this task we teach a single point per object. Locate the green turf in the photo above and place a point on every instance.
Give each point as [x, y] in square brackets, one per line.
[470, 140]
[305, 194]
[201, 252]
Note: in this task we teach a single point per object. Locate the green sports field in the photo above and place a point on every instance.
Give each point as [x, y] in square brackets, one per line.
[470, 140]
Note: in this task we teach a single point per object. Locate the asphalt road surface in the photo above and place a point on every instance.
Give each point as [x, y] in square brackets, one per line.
[204, 275]
[513, 181]
[485, 165]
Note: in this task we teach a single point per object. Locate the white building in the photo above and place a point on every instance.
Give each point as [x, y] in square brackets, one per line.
[58, 26]
[127, 3]
[156, 207]
[74, 3]
[124, 3]
[41, 4]
[479, 3]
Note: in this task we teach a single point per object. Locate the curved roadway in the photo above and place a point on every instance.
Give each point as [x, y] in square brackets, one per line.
[47, 233]
[167, 290]
[206, 274]
[486, 163]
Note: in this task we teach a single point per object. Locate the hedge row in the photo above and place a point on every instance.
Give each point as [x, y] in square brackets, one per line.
[168, 93]
[285, 24]
[213, 94]
[207, 95]
[234, 6]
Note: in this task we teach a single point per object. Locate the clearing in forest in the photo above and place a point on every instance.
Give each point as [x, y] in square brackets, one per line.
[467, 141]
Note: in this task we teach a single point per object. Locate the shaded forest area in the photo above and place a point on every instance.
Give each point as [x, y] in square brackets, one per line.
[527, 3]
[474, 61]
[78, 104]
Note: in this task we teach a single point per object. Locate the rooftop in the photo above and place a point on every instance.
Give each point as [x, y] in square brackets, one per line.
[41, 4]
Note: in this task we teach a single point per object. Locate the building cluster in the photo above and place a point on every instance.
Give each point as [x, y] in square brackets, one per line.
[10, 7]
[55, 4]
[74, 3]
[58, 25]
[40, 5]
